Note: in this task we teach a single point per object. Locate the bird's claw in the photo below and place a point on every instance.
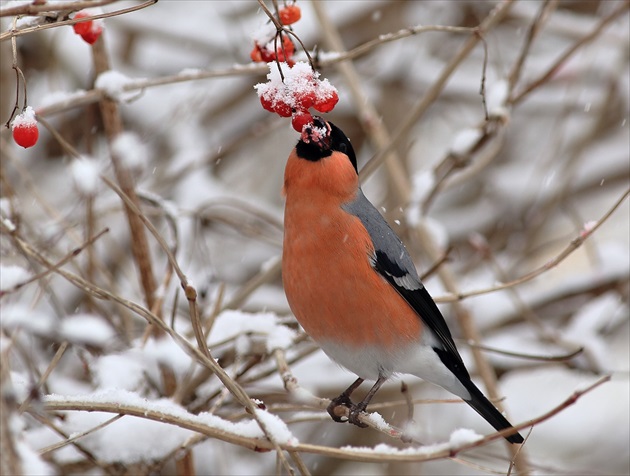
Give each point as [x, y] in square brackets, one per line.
[354, 414]
[341, 401]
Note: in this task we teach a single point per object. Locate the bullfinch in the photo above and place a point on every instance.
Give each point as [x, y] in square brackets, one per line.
[352, 285]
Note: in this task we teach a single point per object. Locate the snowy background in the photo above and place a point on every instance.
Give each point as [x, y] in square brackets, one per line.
[500, 196]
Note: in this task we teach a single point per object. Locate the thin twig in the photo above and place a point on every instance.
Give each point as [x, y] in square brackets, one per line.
[546, 9]
[42, 380]
[235, 389]
[544, 78]
[374, 128]
[75, 252]
[84, 98]
[570, 248]
[61, 444]
[497, 14]
[32, 9]
[520, 355]
[14, 33]
[112, 123]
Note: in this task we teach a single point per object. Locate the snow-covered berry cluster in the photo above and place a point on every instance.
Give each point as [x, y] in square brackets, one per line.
[90, 30]
[300, 90]
[292, 87]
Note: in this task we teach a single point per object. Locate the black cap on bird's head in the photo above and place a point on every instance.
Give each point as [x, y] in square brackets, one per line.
[320, 139]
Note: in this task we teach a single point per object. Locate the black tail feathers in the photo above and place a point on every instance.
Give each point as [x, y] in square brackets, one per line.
[489, 412]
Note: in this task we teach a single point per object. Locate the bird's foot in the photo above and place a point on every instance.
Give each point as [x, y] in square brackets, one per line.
[355, 410]
[342, 400]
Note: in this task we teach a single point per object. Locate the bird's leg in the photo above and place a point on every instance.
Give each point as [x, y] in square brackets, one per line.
[355, 410]
[343, 400]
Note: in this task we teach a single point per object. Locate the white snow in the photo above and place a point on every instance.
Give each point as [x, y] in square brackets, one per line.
[463, 436]
[8, 224]
[31, 462]
[134, 439]
[230, 324]
[378, 420]
[113, 83]
[385, 449]
[85, 175]
[25, 119]
[130, 439]
[12, 275]
[299, 80]
[167, 352]
[122, 371]
[496, 98]
[277, 429]
[5, 206]
[130, 150]
[465, 140]
[32, 320]
[86, 328]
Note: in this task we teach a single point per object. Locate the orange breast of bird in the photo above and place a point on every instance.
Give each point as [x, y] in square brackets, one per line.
[330, 284]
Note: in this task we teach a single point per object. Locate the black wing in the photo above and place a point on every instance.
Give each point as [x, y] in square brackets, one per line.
[392, 262]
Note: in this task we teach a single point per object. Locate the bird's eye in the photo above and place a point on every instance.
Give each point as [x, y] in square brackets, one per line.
[343, 148]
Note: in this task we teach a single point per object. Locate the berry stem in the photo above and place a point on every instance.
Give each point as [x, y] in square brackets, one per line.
[275, 48]
[19, 75]
[271, 16]
[280, 28]
[308, 55]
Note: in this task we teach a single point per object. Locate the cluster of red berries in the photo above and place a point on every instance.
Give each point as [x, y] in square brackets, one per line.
[295, 92]
[90, 30]
[265, 53]
[24, 128]
[292, 88]
[270, 49]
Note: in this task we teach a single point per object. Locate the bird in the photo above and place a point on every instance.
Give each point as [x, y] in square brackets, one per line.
[352, 285]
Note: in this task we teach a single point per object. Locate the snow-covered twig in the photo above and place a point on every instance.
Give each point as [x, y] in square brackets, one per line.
[214, 427]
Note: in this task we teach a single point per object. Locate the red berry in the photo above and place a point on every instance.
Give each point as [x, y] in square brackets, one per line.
[285, 52]
[267, 104]
[267, 55]
[24, 128]
[327, 104]
[290, 14]
[256, 54]
[90, 31]
[283, 109]
[305, 99]
[300, 119]
[83, 27]
[26, 136]
[93, 34]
